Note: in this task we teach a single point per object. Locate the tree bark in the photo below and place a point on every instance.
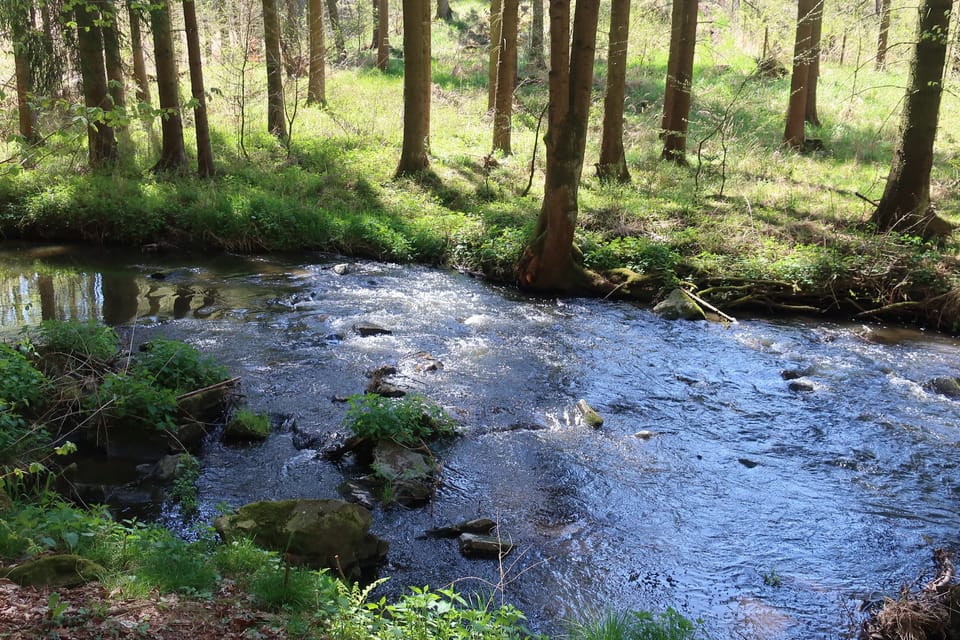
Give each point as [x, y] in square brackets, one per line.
[506, 77]
[537, 60]
[111, 51]
[101, 141]
[881, 59]
[173, 157]
[813, 71]
[613, 162]
[276, 116]
[444, 12]
[338, 42]
[548, 260]
[317, 82]
[290, 40]
[496, 17]
[204, 148]
[793, 135]
[414, 156]
[383, 34]
[680, 84]
[673, 58]
[26, 116]
[136, 46]
[905, 205]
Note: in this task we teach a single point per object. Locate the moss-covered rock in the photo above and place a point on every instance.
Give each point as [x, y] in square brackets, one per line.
[318, 533]
[245, 425]
[56, 571]
[679, 306]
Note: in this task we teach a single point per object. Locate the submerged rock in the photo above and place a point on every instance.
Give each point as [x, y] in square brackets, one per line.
[367, 329]
[679, 306]
[65, 570]
[945, 385]
[476, 526]
[330, 534]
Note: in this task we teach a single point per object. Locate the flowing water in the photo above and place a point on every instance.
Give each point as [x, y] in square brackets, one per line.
[768, 507]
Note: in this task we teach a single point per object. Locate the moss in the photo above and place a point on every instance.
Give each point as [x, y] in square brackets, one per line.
[60, 570]
[247, 425]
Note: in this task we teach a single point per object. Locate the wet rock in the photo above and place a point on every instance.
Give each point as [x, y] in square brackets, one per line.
[341, 269]
[589, 416]
[644, 434]
[385, 389]
[793, 374]
[477, 526]
[679, 306]
[480, 546]
[801, 386]
[426, 362]
[367, 329]
[247, 427]
[335, 445]
[163, 470]
[748, 463]
[205, 405]
[208, 311]
[65, 570]
[307, 305]
[353, 491]
[406, 474]
[945, 385]
[330, 534]
[383, 371]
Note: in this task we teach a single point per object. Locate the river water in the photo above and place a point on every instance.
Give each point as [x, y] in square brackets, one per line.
[768, 507]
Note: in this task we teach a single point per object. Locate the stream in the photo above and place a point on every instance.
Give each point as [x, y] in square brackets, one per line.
[798, 467]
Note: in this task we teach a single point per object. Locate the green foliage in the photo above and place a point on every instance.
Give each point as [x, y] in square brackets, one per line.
[84, 339]
[21, 385]
[251, 423]
[177, 366]
[638, 254]
[134, 398]
[242, 559]
[637, 625]
[17, 435]
[295, 589]
[185, 483]
[772, 579]
[170, 564]
[409, 420]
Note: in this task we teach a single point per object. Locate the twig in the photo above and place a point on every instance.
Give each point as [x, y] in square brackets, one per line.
[224, 383]
[866, 199]
[533, 158]
[896, 306]
[709, 306]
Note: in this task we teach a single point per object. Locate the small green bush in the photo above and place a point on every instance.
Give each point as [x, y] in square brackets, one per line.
[85, 339]
[408, 420]
[171, 564]
[135, 398]
[179, 367]
[21, 385]
[185, 485]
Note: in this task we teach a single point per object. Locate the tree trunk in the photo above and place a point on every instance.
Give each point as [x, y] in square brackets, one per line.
[548, 260]
[496, 17]
[881, 60]
[276, 116]
[414, 156]
[673, 58]
[102, 144]
[444, 12]
[111, 51]
[813, 72]
[383, 35]
[26, 116]
[680, 83]
[793, 135]
[905, 205]
[338, 42]
[613, 162]
[290, 40]
[204, 148]
[506, 77]
[173, 157]
[136, 46]
[537, 60]
[317, 83]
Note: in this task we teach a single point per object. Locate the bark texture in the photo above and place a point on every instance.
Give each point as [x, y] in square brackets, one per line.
[173, 157]
[881, 59]
[537, 61]
[506, 77]
[317, 81]
[276, 116]
[414, 156]
[444, 12]
[613, 162]
[383, 34]
[676, 101]
[111, 52]
[101, 141]
[136, 48]
[333, 13]
[793, 134]
[204, 148]
[813, 71]
[496, 20]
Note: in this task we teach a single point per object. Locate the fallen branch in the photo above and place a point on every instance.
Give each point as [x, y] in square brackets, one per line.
[891, 308]
[704, 303]
[219, 385]
[866, 199]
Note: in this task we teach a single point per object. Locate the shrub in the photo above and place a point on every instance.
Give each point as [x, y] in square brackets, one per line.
[87, 339]
[407, 420]
[135, 398]
[21, 385]
[179, 367]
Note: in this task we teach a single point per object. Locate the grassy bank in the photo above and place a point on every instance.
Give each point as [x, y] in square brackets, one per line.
[747, 224]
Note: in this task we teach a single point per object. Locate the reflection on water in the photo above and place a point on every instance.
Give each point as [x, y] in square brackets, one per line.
[840, 487]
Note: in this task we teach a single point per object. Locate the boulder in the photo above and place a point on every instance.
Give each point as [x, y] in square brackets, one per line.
[330, 534]
[479, 546]
[679, 306]
[341, 269]
[247, 426]
[65, 570]
[945, 385]
[165, 469]
[406, 474]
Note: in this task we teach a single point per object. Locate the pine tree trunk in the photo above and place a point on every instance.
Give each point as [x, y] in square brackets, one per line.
[276, 116]
[548, 262]
[680, 88]
[414, 156]
[793, 135]
[496, 17]
[101, 142]
[613, 162]
[111, 51]
[383, 35]
[173, 157]
[905, 205]
[317, 83]
[204, 148]
[881, 59]
[136, 46]
[537, 60]
[506, 77]
[338, 42]
[813, 72]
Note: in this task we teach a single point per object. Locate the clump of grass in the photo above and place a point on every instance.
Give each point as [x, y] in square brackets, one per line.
[177, 366]
[81, 339]
[409, 420]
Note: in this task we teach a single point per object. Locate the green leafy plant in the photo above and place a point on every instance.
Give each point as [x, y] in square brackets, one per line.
[178, 366]
[21, 384]
[135, 398]
[185, 483]
[772, 579]
[171, 564]
[408, 420]
[86, 339]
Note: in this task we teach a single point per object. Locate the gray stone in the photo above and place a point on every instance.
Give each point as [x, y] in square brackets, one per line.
[341, 269]
[480, 546]
[679, 306]
[946, 386]
[477, 526]
[366, 329]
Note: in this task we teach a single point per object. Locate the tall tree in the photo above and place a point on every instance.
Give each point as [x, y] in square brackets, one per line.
[276, 116]
[317, 82]
[548, 261]
[202, 127]
[173, 156]
[496, 17]
[414, 156]
[383, 34]
[136, 47]
[905, 205]
[536, 58]
[679, 85]
[290, 38]
[101, 141]
[813, 71]
[111, 50]
[16, 18]
[506, 76]
[444, 12]
[884, 11]
[333, 13]
[793, 135]
[613, 162]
